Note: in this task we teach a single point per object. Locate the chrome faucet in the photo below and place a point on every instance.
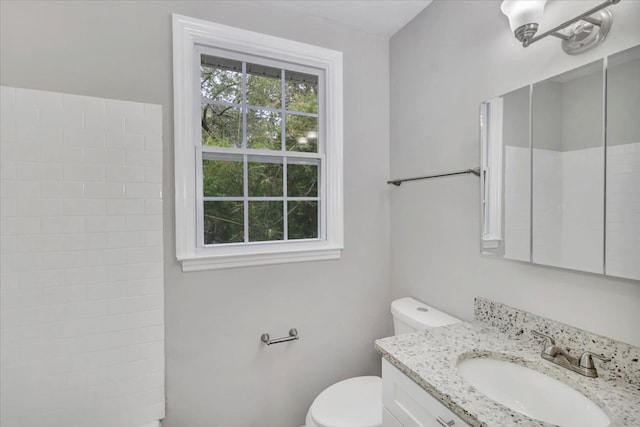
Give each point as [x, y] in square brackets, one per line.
[556, 354]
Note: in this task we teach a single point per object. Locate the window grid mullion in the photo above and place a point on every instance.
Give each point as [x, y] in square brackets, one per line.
[257, 107]
[245, 157]
[285, 199]
[245, 171]
[259, 199]
[283, 122]
[243, 106]
[283, 143]
[262, 152]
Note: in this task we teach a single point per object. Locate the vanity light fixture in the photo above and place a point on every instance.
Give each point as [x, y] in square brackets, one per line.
[585, 31]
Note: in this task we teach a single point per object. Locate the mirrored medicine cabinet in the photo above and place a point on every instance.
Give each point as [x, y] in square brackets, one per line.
[560, 174]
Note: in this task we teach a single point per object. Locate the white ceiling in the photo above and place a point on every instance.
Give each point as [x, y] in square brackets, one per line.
[378, 17]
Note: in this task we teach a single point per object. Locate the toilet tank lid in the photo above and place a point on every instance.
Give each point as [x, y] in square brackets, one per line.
[419, 315]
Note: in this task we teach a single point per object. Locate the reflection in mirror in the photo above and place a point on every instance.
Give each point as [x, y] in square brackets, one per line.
[517, 175]
[623, 165]
[491, 120]
[506, 175]
[568, 165]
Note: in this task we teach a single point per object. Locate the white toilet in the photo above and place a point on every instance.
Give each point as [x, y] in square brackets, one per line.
[357, 402]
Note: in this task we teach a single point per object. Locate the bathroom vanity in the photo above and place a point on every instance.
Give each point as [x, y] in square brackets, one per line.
[424, 383]
[406, 403]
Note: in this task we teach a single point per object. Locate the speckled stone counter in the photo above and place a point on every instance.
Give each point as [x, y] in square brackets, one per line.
[430, 359]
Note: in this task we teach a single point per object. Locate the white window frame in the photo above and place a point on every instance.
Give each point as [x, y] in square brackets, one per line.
[492, 147]
[188, 34]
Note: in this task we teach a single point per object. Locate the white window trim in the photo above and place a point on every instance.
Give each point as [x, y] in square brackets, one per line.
[189, 32]
[492, 173]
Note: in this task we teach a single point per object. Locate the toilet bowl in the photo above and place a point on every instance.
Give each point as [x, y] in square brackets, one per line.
[352, 402]
[357, 402]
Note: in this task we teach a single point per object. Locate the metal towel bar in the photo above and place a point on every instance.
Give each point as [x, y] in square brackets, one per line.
[397, 182]
[293, 335]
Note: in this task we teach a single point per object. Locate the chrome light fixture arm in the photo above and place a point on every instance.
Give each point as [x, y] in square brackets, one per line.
[582, 33]
[586, 16]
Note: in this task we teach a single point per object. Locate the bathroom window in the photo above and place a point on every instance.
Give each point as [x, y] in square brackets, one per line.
[258, 147]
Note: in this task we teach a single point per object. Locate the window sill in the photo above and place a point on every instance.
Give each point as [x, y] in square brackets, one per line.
[491, 243]
[199, 262]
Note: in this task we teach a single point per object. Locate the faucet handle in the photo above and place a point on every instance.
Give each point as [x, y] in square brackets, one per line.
[586, 359]
[549, 340]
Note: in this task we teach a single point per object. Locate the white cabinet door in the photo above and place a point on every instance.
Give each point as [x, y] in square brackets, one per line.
[389, 420]
[411, 405]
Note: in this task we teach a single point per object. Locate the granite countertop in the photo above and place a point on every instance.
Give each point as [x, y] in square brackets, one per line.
[430, 359]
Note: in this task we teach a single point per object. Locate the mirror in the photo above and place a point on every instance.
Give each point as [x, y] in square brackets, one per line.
[623, 165]
[506, 175]
[517, 175]
[556, 189]
[568, 170]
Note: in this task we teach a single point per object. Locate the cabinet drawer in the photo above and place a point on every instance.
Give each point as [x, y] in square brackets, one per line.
[411, 405]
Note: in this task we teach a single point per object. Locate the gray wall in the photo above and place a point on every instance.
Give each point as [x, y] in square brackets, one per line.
[623, 98]
[454, 55]
[218, 372]
[515, 127]
[568, 110]
[582, 111]
[547, 104]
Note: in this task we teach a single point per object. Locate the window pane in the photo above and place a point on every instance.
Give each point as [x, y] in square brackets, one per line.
[221, 126]
[264, 129]
[221, 79]
[264, 87]
[265, 221]
[301, 92]
[223, 177]
[223, 222]
[265, 176]
[302, 178]
[303, 220]
[302, 133]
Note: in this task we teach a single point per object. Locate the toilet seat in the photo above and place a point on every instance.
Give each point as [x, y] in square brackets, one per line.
[355, 402]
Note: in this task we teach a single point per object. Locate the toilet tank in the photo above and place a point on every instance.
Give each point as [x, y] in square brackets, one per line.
[410, 315]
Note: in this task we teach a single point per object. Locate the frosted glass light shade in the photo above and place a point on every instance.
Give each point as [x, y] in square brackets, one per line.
[522, 12]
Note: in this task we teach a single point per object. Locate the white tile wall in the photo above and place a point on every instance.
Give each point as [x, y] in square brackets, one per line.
[547, 207]
[583, 209]
[81, 289]
[517, 203]
[623, 210]
[568, 208]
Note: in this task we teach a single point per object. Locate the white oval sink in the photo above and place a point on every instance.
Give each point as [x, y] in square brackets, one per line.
[532, 393]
